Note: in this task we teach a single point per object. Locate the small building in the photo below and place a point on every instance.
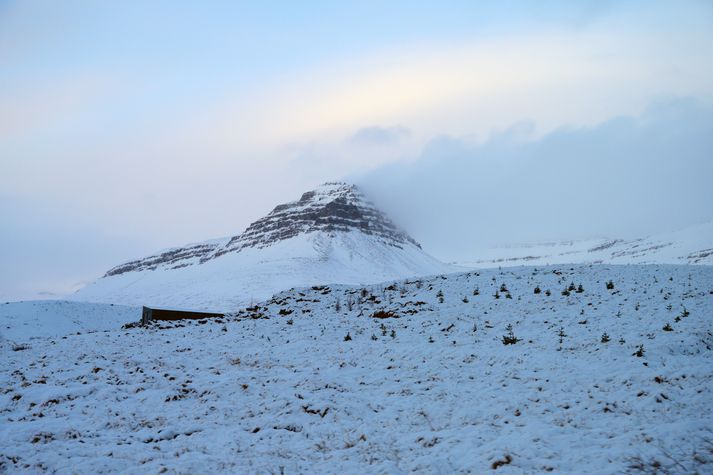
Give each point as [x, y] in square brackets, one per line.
[151, 314]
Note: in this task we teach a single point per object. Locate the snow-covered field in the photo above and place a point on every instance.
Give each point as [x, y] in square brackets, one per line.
[21, 322]
[312, 382]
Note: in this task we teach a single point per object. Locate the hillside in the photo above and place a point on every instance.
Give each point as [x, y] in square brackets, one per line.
[691, 245]
[311, 381]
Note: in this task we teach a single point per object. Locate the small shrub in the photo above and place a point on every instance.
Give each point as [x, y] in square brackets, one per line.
[465, 300]
[509, 338]
[605, 337]
[610, 285]
[537, 290]
[476, 291]
[548, 293]
[384, 314]
[580, 289]
[667, 327]
[499, 463]
[639, 351]
[348, 337]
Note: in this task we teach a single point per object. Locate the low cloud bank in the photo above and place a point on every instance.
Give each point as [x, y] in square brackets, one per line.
[625, 177]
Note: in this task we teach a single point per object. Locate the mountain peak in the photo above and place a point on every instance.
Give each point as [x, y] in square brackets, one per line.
[333, 207]
[325, 193]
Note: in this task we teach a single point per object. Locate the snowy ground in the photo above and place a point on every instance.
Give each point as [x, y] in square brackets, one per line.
[280, 389]
[26, 321]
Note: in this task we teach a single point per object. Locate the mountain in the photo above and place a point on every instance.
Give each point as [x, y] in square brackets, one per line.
[692, 245]
[330, 235]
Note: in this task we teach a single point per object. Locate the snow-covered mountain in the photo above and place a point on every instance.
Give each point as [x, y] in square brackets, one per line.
[330, 235]
[692, 245]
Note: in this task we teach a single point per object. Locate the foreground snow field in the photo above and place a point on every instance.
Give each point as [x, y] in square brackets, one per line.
[312, 382]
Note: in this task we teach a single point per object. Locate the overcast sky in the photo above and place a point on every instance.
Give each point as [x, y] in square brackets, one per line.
[128, 127]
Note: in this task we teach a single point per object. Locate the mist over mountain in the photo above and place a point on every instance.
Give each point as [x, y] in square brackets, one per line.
[627, 177]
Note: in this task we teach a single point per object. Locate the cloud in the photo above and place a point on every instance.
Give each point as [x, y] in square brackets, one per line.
[376, 135]
[625, 177]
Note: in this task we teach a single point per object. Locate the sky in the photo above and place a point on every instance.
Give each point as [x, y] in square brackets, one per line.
[129, 127]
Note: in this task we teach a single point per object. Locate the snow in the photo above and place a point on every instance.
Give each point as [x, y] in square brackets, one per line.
[254, 274]
[691, 245]
[39, 319]
[265, 392]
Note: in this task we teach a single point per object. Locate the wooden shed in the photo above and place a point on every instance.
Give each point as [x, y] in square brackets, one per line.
[150, 314]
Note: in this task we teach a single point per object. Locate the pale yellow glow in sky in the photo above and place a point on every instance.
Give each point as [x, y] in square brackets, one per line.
[552, 79]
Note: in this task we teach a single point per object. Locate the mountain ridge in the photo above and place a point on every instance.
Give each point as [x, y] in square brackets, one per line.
[690, 245]
[333, 206]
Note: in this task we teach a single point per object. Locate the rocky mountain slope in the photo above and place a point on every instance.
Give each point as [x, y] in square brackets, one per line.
[692, 245]
[330, 235]
[566, 369]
